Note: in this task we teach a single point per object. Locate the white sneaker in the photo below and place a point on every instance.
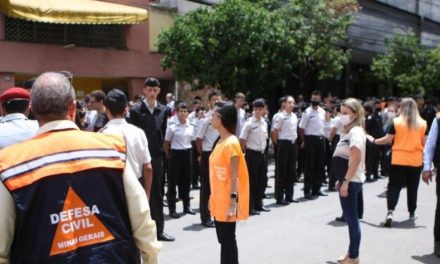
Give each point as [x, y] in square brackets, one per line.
[413, 216]
[388, 219]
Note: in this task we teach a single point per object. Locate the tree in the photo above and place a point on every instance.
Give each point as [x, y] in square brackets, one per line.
[234, 46]
[403, 65]
[314, 28]
[253, 45]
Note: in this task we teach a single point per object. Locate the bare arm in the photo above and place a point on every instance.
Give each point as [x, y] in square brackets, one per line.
[148, 178]
[387, 139]
[199, 143]
[302, 134]
[243, 144]
[274, 135]
[332, 134]
[166, 147]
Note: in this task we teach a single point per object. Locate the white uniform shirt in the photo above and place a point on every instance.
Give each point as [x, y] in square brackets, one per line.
[274, 118]
[207, 133]
[338, 125]
[90, 118]
[180, 135]
[136, 141]
[312, 121]
[15, 128]
[287, 126]
[255, 134]
[241, 119]
[328, 127]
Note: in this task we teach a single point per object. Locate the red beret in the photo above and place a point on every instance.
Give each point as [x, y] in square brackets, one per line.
[15, 93]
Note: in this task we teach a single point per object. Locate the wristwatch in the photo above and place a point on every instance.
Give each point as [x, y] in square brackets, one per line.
[234, 195]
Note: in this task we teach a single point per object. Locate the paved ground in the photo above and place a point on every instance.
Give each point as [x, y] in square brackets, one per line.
[307, 233]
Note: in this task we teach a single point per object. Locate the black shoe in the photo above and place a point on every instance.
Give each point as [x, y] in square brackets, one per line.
[331, 189]
[174, 215]
[340, 219]
[292, 201]
[388, 219]
[282, 202]
[208, 223]
[437, 248]
[308, 196]
[369, 179]
[320, 194]
[254, 212]
[189, 211]
[196, 187]
[263, 209]
[165, 237]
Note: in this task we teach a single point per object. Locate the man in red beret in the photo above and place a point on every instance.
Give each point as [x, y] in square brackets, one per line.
[15, 126]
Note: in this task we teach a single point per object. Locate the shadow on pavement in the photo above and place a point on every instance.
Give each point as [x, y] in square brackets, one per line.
[336, 223]
[427, 259]
[195, 227]
[406, 224]
[331, 262]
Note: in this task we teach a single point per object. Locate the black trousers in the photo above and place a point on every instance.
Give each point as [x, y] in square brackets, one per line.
[179, 174]
[286, 166]
[205, 189]
[373, 158]
[255, 164]
[437, 209]
[315, 162]
[156, 199]
[399, 176]
[332, 178]
[328, 160]
[228, 244]
[195, 167]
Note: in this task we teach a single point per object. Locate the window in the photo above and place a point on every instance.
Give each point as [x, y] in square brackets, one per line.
[93, 36]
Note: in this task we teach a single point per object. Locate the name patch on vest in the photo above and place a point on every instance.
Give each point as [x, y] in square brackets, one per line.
[77, 225]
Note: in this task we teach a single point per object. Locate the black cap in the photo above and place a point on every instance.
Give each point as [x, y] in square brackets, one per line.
[259, 103]
[115, 96]
[152, 82]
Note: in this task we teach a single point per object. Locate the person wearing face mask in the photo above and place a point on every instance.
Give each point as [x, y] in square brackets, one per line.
[407, 132]
[348, 164]
[311, 128]
[373, 126]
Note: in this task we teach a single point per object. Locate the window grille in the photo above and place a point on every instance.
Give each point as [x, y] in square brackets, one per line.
[93, 36]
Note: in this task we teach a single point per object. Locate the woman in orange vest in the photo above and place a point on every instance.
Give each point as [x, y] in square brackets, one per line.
[229, 181]
[407, 133]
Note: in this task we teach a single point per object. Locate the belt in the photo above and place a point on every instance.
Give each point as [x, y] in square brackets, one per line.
[313, 136]
[287, 140]
[253, 150]
[181, 150]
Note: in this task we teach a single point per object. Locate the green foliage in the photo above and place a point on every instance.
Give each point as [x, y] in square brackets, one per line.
[313, 29]
[252, 45]
[407, 66]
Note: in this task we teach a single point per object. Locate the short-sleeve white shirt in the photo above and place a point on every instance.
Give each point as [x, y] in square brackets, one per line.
[180, 135]
[338, 125]
[207, 133]
[255, 134]
[312, 121]
[355, 138]
[136, 141]
[287, 124]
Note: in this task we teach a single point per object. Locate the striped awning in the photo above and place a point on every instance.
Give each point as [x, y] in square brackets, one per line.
[73, 11]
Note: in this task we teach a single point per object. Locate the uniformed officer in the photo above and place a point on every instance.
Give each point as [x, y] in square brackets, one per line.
[239, 101]
[205, 139]
[178, 148]
[151, 116]
[285, 135]
[196, 122]
[15, 126]
[253, 140]
[312, 135]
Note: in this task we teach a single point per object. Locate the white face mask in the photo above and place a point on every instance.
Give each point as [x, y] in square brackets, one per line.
[345, 120]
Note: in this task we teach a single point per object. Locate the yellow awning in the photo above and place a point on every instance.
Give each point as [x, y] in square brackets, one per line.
[73, 11]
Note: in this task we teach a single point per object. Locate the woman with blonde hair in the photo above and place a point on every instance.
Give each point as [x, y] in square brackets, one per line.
[407, 134]
[348, 165]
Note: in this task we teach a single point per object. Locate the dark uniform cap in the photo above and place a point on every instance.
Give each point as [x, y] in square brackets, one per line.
[259, 103]
[15, 93]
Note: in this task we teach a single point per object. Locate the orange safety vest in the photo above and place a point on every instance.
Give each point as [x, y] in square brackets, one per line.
[69, 197]
[220, 181]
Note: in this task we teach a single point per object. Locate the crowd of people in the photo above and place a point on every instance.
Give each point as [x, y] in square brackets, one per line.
[221, 148]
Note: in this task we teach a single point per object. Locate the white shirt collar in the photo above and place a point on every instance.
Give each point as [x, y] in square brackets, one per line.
[57, 125]
[13, 116]
[148, 106]
[116, 121]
